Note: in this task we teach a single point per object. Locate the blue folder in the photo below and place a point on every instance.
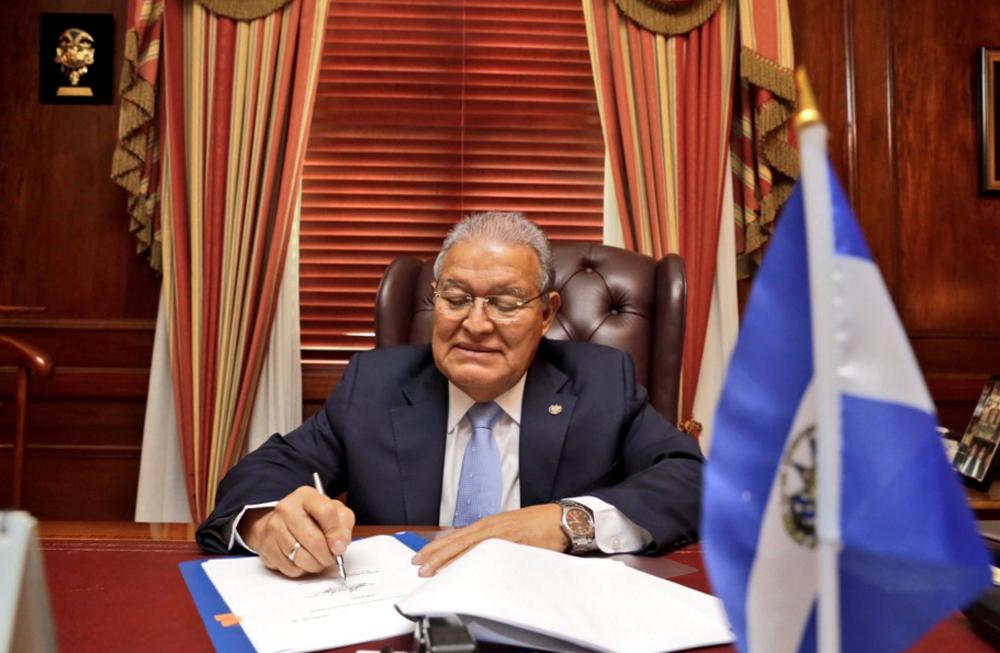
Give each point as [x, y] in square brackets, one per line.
[232, 639]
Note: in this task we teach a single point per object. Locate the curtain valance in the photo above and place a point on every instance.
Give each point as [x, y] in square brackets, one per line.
[669, 16]
[243, 9]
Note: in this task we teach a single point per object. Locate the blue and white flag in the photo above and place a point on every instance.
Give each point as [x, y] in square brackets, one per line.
[911, 553]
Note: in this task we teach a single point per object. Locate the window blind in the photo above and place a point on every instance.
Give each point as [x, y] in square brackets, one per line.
[427, 111]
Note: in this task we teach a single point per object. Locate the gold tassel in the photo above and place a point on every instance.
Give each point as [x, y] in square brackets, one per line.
[770, 121]
[761, 71]
[780, 155]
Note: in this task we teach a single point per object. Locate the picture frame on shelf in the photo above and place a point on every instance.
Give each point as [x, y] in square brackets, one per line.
[976, 458]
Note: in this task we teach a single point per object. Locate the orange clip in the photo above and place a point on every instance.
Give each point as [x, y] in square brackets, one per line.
[228, 619]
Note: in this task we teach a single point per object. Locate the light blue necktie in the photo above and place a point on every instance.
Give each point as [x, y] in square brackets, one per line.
[479, 487]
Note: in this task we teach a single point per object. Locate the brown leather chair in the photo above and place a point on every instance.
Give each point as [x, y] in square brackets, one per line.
[610, 296]
[29, 361]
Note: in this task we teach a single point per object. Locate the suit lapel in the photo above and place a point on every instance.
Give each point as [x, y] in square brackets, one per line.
[419, 432]
[545, 417]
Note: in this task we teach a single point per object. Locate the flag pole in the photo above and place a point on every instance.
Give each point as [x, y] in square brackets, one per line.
[827, 341]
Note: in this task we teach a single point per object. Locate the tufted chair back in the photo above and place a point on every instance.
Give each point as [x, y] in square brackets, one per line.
[610, 296]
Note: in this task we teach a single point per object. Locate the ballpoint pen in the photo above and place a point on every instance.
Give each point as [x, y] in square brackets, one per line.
[318, 484]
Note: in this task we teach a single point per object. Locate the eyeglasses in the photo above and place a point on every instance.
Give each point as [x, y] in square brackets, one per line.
[499, 308]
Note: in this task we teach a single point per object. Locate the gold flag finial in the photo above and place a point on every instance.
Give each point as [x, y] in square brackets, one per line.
[807, 112]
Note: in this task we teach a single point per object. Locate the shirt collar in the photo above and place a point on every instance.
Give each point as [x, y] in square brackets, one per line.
[510, 402]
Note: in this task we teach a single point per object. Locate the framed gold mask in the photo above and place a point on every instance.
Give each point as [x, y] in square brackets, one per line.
[76, 53]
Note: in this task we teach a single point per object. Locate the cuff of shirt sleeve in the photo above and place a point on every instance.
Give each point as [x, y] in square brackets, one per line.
[613, 531]
[234, 537]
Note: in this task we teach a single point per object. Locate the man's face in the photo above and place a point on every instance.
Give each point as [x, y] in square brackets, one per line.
[483, 357]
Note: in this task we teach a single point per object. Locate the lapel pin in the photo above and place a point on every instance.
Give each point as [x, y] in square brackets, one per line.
[555, 409]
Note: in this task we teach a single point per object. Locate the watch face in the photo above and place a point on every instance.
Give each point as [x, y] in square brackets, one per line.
[578, 521]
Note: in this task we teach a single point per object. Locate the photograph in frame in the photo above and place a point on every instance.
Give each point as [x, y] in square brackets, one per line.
[989, 119]
[977, 450]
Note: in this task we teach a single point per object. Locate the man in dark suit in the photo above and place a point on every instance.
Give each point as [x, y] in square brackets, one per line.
[492, 429]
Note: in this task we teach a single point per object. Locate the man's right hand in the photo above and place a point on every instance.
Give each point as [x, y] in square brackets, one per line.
[320, 524]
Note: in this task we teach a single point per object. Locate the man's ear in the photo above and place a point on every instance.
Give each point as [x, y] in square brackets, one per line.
[550, 310]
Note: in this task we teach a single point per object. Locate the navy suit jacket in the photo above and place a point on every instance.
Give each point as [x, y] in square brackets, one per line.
[381, 437]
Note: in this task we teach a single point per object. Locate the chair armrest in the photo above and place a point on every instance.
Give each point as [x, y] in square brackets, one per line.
[36, 361]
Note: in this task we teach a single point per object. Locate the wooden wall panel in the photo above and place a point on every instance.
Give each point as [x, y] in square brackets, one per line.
[64, 245]
[88, 343]
[62, 216]
[85, 484]
[896, 83]
[826, 62]
[948, 232]
[84, 425]
[873, 185]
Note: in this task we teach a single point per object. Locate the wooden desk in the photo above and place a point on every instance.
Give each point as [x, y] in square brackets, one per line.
[115, 586]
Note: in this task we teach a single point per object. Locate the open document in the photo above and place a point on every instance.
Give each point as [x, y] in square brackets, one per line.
[506, 593]
[322, 611]
[520, 595]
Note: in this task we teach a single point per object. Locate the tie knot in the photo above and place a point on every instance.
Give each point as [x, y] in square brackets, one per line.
[484, 415]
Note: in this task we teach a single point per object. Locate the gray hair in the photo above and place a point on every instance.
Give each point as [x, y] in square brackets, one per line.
[504, 227]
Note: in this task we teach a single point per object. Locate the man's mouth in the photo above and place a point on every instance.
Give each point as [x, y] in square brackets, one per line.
[476, 349]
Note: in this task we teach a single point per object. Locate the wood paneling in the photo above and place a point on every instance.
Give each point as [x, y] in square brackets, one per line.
[896, 82]
[62, 216]
[827, 64]
[948, 233]
[88, 343]
[873, 189]
[93, 483]
[84, 429]
[64, 245]
[82, 455]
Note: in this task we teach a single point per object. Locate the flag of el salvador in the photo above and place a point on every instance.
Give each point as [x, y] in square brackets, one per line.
[911, 553]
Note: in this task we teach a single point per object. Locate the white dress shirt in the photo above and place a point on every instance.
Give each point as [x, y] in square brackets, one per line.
[613, 531]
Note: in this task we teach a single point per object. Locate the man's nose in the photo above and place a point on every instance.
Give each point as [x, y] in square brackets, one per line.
[477, 321]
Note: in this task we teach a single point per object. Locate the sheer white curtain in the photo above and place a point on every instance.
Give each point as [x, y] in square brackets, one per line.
[723, 317]
[723, 323]
[161, 496]
[612, 221]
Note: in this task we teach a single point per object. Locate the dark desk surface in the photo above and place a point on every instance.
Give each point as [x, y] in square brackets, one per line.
[115, 586]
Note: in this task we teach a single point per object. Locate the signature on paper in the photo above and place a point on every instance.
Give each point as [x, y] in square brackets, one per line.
[334, 589]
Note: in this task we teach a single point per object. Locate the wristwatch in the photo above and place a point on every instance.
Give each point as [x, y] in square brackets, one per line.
[578, 524]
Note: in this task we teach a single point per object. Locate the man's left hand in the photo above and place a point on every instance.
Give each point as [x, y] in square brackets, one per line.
[536, 525]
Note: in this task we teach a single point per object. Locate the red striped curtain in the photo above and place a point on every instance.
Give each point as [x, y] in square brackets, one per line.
[664, 72]
[235, 102]
[665, 108]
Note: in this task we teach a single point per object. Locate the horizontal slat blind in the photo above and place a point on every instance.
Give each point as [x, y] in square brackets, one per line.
[427, 111]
